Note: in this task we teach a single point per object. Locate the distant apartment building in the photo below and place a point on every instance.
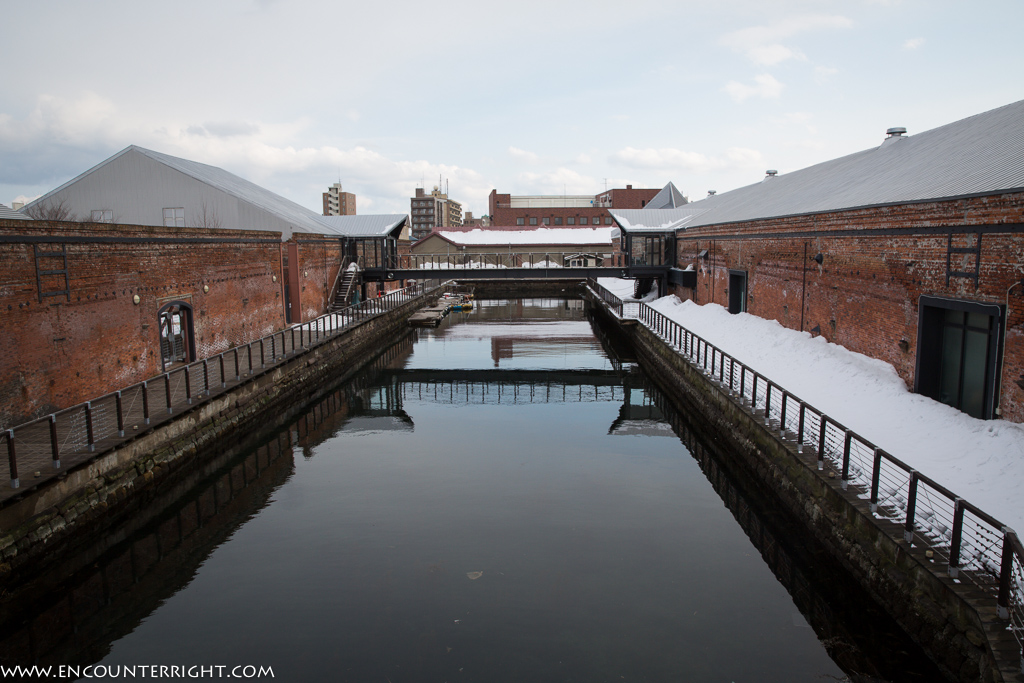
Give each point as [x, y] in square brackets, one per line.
[338, 203]
[434, 210]
[471, 222]
[566, 210]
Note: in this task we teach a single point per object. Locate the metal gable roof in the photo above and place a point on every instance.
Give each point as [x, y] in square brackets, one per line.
[10, 214]
[380, 225]
[668, 198]
[299, 217]
[982, 154]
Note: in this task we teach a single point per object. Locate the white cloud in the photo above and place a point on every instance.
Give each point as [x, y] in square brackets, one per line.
[523, 155]
[913, 43]
[668, 159]
[822, 74]
[764, 86]
[559, 181]
[763, 45]
[583, 159]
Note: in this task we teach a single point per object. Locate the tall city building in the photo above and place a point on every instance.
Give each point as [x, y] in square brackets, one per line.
[432, 211]
[338, 203]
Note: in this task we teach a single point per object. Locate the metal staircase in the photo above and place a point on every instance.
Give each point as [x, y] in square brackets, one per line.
[348, 280]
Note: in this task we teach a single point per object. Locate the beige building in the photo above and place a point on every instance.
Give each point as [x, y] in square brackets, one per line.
[432, 211]
[338, 203]
[516, 248]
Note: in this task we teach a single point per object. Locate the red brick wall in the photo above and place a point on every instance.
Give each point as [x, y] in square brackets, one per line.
[60, 352]
[319, 258]
[865, 294]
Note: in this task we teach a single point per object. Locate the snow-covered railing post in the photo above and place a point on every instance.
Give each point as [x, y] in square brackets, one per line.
[822, 426]
[908, 528]
[1005, 569]
[800, 428]
[876, 473]
[846, 459]
[957, 537]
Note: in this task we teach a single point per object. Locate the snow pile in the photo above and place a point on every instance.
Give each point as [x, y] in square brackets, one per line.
[541, 236]
[980, 460]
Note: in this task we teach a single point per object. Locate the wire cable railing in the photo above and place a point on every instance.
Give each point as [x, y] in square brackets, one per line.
[975, 547]
[45, 448]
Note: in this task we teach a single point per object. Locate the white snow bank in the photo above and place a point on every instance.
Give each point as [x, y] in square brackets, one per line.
[980, 460]
[540, 236]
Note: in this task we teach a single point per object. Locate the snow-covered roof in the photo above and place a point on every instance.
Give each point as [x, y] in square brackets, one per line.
[590, 236]
[981, 154]
[379, 225]
[10, 214]
[656, 220]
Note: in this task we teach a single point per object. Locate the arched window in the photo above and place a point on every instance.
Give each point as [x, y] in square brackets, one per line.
[177, 338]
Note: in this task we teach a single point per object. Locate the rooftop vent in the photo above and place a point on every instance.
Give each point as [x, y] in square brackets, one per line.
[772, 172]
[897, 131]
[711, 193]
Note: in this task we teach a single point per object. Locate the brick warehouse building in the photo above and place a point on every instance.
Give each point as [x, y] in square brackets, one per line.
[91, 307]
[574, 210]
[911, 252]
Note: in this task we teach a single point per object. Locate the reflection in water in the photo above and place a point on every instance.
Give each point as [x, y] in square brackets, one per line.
[451, 520]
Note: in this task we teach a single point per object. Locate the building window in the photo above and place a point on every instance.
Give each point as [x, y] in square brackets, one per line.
[607, 220]
[583, 220]
[571, 220]
[520, 221]
[958, 346]
[174, 218]
[102, 216]
[547, 220]
[558, 220]
[533, 220]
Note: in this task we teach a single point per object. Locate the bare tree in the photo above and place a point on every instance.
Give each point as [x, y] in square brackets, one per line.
[206, 217]
[52, 211]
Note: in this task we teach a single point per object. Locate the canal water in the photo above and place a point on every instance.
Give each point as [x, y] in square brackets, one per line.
[504, 498]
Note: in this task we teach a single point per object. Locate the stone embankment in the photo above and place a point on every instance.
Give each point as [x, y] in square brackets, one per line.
[957, 627]
[69, 511]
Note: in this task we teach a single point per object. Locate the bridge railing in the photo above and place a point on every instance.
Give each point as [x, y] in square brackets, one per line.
[44, 448]
[614, 302]
[497, 259]
[974, 546]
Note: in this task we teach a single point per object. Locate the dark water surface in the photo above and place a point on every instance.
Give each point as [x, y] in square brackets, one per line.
[498, 500]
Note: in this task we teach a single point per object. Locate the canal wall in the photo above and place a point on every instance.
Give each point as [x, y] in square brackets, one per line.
[957, 629]
[68, 512]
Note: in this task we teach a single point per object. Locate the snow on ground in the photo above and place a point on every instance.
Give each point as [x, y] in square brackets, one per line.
[980, 460]
[552, 236]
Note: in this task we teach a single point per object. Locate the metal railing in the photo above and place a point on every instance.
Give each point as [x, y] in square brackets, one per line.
[973, 545]
[46, 447]
[614, 302]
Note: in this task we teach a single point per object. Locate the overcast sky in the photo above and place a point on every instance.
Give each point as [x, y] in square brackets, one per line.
[531, 97]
